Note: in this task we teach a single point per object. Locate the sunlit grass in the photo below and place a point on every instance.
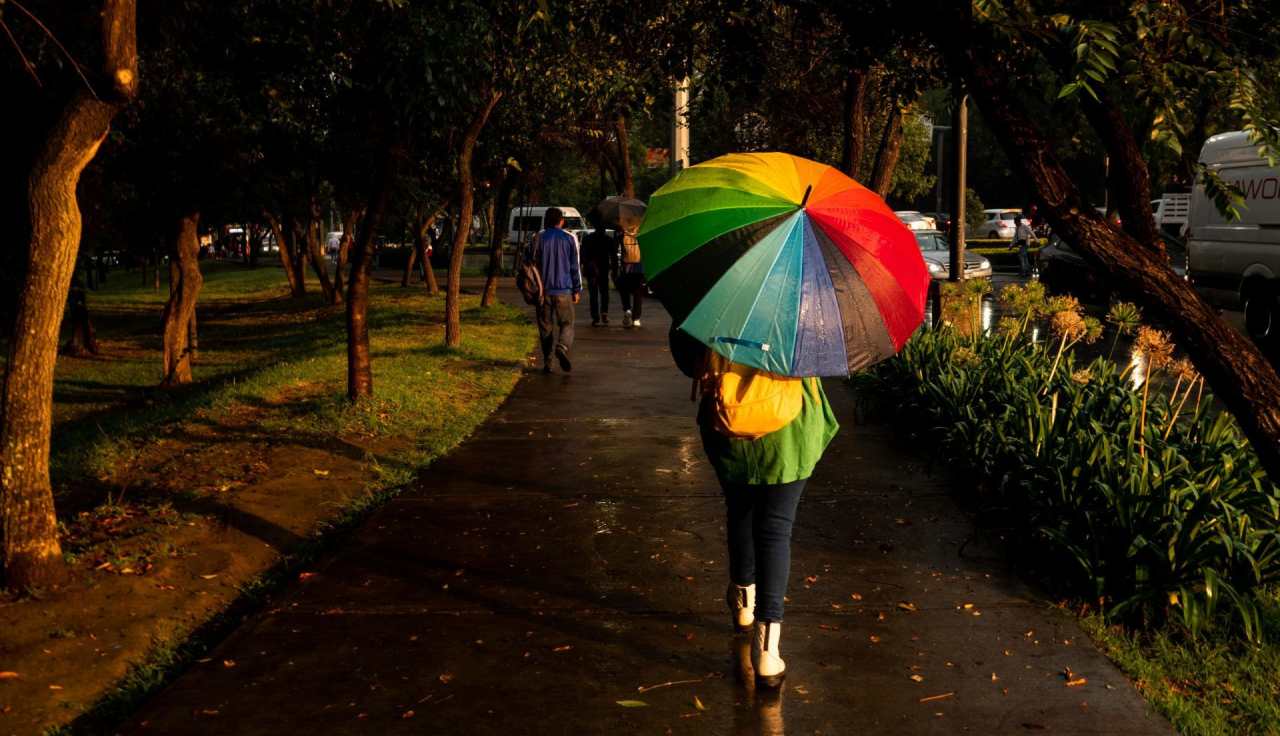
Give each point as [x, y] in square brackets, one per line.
[1208, 685]
[260, 348]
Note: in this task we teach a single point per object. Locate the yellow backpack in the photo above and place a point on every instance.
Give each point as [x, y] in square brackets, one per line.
[748, 403]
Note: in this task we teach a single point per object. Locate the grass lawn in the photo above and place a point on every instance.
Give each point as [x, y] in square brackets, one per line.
[1205, 686]
[183, 510]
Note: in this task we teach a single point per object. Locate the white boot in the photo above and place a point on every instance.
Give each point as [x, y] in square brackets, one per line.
[769, 667]
[741, 600]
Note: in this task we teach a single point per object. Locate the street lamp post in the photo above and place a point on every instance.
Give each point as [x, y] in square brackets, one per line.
[680, 127]
[960, 136]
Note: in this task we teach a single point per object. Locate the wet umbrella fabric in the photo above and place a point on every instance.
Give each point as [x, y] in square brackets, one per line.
[621, 212]
[784, 264]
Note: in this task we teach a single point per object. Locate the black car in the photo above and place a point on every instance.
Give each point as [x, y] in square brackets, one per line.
[1065, 271]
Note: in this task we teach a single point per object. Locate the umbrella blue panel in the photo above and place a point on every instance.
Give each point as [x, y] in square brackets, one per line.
[819, 349]
[749, 315]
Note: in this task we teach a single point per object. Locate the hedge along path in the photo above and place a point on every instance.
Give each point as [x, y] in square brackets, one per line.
[230, 478]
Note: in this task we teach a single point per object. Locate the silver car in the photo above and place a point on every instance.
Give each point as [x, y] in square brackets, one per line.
[936, 250]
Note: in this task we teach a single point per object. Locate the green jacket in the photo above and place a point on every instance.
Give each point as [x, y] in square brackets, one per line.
[784, 456]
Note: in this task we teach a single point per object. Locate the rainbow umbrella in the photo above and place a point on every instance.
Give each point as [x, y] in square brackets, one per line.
[784, 264]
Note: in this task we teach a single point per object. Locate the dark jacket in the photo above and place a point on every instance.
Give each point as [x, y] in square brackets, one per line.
[599, 256]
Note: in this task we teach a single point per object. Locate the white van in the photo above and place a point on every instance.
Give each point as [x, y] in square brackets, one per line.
[1236, 265]
[524, 222]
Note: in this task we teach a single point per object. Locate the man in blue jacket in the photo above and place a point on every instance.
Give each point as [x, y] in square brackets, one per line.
[556, 254]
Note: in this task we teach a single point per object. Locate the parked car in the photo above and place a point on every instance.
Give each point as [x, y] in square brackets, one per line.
[998, 224]
[1063, 270]
[1236, 264]
[914, 220]
[523, 222]
[936, 249]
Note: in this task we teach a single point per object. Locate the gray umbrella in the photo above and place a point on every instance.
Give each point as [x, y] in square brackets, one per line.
[621, 212]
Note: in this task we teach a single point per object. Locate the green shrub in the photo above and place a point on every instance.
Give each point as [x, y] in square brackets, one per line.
[1138, 501]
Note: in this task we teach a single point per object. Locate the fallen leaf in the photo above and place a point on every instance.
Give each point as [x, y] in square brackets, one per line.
[445, 678]
[874, 639]
[856, 596]
[917, 678]
[632, 703]
[906, 606]
[208, 711]
[305, 576]
[8, 675]
[563, 648]
[210, 576]
[228, 663]
[881, 616]
[407, 713]
[1008, 653]
[1077, 681]
[811, 579]
[698, 703]
[55, 687]
[940, 696]
[994, 677]
[967, 606]
[325, 474]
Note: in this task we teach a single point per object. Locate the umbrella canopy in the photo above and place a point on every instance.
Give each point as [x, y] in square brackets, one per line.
[621, 212]
[784, 264]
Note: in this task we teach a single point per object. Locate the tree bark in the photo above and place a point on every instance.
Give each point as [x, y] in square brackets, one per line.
[855, 122]
[421, 243]
[624, 155]
[312, 233]
[284, 244]
[180, 311]
[349, 220]
[32, 553]
[502, 204]
[887, 155]
[359, 367]
[1233, 366]
[82, 342]
[466, 197]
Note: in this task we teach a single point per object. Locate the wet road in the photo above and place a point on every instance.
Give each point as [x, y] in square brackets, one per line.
[571, 555]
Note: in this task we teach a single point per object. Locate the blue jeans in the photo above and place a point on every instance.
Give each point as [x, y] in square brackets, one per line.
[759, 521]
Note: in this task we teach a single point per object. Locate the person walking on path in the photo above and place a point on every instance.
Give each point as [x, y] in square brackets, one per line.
[1022, 236]
[599, 262]
[630, 278]
[555, 254]
[762, 479]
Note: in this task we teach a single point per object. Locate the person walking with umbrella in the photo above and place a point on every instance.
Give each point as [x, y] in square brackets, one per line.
[627, 214]
[599, 262]
[776, 270]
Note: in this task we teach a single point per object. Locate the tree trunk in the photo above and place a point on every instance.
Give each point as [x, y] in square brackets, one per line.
[855, 122]
[433, 286]
[180, 311]
[311, 235]
[297, 286]
[887, 155]
[359, 367]
[82, 342]
[32, 553]
[349, 220]
[624, 155]
[421, 244]
[490, 295]
[1236, 370]
[466, 197]
[417, 251]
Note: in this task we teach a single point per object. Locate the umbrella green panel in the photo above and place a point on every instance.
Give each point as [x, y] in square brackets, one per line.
[750, 315]
[699, 222]
[682, 284]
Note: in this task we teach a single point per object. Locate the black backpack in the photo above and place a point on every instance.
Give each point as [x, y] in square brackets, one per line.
[528, 278]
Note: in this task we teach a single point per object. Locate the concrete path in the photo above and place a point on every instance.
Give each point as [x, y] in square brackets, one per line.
[571, 555]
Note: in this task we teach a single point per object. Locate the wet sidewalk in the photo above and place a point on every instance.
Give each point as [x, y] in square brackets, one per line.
[571, 555]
